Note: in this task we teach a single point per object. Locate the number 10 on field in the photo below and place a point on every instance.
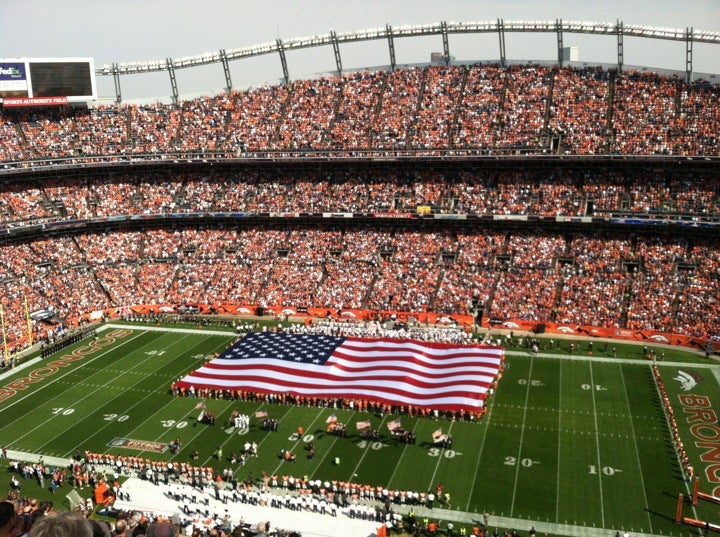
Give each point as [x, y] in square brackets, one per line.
[605, 470]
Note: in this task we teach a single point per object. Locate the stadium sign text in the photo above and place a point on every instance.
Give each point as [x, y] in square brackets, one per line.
[49, 369]
[704, 427]
[34, 101]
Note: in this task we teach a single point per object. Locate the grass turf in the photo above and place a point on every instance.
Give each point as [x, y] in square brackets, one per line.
[569, 438]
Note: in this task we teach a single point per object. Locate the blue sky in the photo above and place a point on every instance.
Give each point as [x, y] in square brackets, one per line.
[134, 30]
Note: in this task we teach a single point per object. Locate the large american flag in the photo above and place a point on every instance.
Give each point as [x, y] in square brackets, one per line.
[397, 372]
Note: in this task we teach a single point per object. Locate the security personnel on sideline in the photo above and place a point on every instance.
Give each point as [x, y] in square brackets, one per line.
[411, 519]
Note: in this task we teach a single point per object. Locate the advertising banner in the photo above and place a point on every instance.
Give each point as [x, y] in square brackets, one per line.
[13, 80]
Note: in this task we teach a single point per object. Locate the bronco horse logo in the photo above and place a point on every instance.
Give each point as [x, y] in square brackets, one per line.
[687, 380]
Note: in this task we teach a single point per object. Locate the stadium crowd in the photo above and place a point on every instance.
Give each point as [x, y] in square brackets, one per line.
[622, 280]
[633, 282]
[646, 193]
[482, 106]
[668, 284]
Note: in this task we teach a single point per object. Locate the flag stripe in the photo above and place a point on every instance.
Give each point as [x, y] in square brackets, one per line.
[426, 371]
[384, 393]
[311, 372]
[372, 381]
[395, 372]
[354, 350]
[221, 366]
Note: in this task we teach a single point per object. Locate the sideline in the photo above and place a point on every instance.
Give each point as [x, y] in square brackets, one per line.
[465, 517]
[157, 498]
[18, 368]
[714, 367]
[169, 329]
[24, 456]
[527, 353]
[609, 360]
[33, 361]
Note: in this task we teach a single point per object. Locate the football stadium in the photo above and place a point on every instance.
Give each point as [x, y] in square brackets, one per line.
[448, 298]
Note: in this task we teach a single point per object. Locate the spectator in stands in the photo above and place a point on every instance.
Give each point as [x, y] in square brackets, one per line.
[476, 108]
[160, 529]
[430, 108]
[121, 528]
[10, 524]
[62, 524]
[100, 528]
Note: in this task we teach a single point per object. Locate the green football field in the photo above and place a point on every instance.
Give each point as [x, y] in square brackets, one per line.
[570, 439]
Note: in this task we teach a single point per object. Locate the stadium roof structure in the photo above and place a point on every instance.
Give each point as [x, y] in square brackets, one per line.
[500, 27]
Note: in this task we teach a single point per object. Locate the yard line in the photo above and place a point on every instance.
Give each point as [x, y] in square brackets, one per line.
[56, 379]
[138, 402]
[60, 394]
[108, 423]
[397, 466]
[327, 451]
[146, 418]
[44, 422]
[486, 423]
[94, 431]
[637, 451]
[317, 416]
[522, 435]
[367, 449]
[440, 458]
[559, 406]
[185, 416]
[196, 331]
[597, 444]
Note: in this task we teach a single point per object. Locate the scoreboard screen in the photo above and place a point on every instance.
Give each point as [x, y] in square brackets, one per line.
[46, 81]
[52, 79]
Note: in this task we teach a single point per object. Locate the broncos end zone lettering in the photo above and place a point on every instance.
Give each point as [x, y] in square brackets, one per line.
[50, 368]
[704, 427]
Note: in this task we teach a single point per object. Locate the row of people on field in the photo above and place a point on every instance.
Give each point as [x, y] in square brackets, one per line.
[356, 405]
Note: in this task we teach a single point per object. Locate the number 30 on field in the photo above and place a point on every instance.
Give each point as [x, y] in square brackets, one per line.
[447, 453]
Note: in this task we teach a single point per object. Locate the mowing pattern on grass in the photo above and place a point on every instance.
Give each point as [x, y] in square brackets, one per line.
[582, 442]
